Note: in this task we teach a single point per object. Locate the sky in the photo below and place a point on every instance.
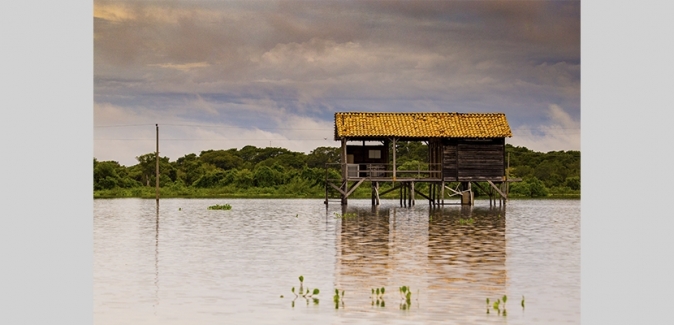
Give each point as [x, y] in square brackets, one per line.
[226, 74]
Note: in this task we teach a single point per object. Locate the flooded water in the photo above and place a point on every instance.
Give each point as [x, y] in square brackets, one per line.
[184, 264]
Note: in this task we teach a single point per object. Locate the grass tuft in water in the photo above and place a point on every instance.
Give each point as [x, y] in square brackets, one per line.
[220, 207]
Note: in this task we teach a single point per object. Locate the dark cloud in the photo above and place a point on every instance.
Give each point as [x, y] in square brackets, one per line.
[205, 60]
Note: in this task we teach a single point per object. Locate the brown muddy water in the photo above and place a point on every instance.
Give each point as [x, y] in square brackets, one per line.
[185, 264]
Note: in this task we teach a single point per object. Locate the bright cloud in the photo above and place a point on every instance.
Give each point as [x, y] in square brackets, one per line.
[560, 132]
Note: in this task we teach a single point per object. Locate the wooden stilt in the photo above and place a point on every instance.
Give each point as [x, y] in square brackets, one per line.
[433, 189]
[442, 193]
[375, 193]
[401, 195]
[430, 194]
[372, 193]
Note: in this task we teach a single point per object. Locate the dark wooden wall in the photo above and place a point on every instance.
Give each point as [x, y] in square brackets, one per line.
[361, 157]
[473, 160]
[360, 154]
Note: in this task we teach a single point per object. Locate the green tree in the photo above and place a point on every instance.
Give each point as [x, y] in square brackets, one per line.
[267, 177]
[321, 156]
[222, 159]
[244, 178]
[105, 174]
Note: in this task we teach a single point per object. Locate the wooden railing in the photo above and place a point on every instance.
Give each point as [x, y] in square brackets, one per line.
[382, 171]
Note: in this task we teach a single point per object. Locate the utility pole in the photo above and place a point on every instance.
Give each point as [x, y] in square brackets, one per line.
[157, 167]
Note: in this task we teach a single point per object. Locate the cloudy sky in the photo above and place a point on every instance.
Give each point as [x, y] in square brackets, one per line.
[225, 74]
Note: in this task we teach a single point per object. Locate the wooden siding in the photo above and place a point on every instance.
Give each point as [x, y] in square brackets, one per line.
[360, 154]
[449, 166]
[361, 157]
[470, 160]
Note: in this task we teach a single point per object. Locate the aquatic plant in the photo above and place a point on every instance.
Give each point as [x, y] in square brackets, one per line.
[337, 299]
[522, 302]
[497, 305]
[345, 215]
[468, 221]
[307, 294]
[220, 207]
[378, 297]
[406, 297]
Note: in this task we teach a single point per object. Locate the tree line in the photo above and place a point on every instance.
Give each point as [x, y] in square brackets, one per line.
[278, 172]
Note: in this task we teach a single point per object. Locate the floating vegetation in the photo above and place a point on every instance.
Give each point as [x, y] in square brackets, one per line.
[307, 294]
[522, 302]
[347, 215]
[468, 221]
[220, 207]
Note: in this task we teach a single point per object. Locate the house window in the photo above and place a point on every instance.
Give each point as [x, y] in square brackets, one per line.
[374, 154]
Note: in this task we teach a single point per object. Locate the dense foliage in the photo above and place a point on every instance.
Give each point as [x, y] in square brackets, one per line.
[278, 172]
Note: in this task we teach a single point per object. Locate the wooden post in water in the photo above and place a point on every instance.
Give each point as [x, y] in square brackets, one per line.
[157, 166]
[401, 196]
[442, 192]
[412, 194]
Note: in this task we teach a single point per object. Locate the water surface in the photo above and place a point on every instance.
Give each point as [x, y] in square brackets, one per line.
[184, 264]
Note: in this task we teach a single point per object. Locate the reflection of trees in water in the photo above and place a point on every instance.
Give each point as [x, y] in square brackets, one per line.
[466, 247]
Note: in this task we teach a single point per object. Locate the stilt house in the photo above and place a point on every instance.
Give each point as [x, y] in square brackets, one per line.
[462, 147]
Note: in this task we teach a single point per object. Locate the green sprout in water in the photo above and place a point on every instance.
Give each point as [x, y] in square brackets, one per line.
[522, 302]
[337, 299]
[406, 297]
[378, 297]
[501, 307]
[306, 294]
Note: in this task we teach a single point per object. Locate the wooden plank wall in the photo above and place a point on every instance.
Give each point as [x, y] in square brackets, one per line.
[435, 148]
[449, 165]
[466, 160]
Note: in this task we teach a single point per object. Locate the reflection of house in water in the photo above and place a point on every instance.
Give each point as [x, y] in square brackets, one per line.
[363, 243]
[437, 252]
[466, 248]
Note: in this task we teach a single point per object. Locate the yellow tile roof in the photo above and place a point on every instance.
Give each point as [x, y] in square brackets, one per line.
[421, 125]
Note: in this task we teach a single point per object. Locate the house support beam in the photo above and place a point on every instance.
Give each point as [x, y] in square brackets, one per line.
[375, 193]
[504, 197]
